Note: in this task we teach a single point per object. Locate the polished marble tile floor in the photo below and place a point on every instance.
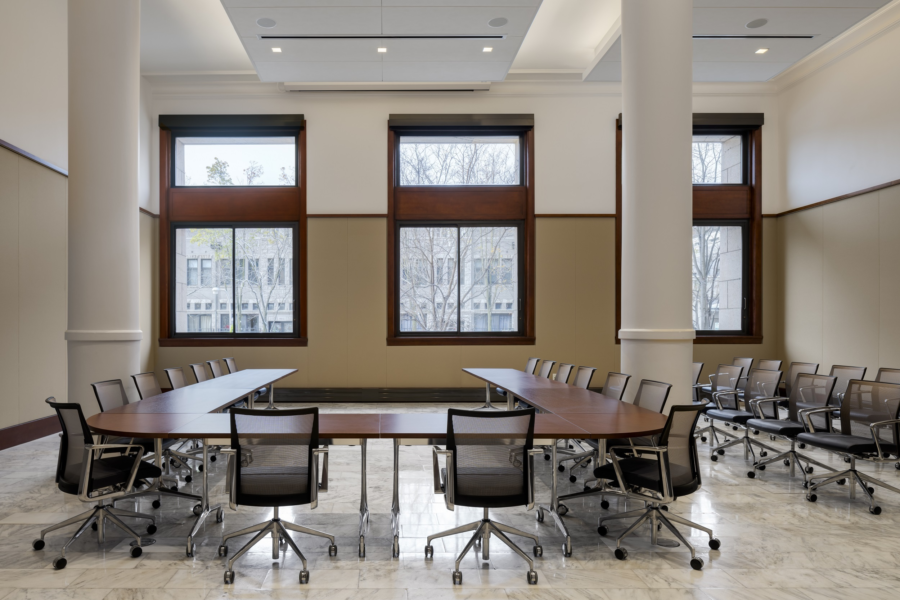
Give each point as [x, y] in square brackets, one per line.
[775, 544]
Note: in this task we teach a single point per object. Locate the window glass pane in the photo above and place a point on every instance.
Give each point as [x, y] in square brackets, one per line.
[460, 160]
[202, 278]
[491, 277]
[428, 278]
[717, 159]
[259, 295]
[218, 161]
[718, 286]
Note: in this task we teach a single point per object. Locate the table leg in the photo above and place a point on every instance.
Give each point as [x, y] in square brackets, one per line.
[363, 502]
[600, 485]
[156, 489]
[271, 405]
[395, 502]
[487, 402]
[203, 509]
[553, 508]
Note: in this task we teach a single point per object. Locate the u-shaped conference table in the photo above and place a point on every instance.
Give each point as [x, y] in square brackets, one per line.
[196, 412]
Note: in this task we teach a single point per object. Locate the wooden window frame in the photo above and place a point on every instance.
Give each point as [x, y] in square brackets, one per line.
[424, 205]
[719, 203]
[232, 206]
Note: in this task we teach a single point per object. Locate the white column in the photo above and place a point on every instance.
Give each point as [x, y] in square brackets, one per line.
[657, 330]
[104, 96]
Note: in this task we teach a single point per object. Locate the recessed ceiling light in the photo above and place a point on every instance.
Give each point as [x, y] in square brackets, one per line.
[266, 22]
[276, 49]
[382, 49]
[756, 23]
[488, 50]
[762, 50]
[498, 22]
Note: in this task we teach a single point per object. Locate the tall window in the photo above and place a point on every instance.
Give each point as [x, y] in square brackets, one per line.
[232, 228]
[461, 232]
[726, 241]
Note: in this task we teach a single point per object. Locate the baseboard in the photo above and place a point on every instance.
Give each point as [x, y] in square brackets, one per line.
[27, 432]
[375, 395]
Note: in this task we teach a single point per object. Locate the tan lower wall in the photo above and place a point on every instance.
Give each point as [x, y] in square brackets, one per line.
[149, 282]
[33, 278]
[575, 316]
[841, 282]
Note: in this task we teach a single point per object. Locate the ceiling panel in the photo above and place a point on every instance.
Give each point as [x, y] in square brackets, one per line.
[456, 21]
[606, 71]
[779, 50]
[765, 4]
[298, 3]
[479, 3]
[737, 71]
[319, 71]
[782, 21]
[307, 21]
[445, 71]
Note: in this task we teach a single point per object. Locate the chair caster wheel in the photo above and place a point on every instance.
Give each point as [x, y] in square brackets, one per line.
[538, 551]
[756, 432]
[174, 487]
[229, 577]
[223, 551]
[841, 481]
[809, 469]
[761, 467]
[566, 551]
[703, 438]
[546, 457]
[37, 544]
[190, 550]
[697, 564]
[94, 526]
[429, 551]
[562, 510]
[786, 462]
[714, 458]
[197, 510]
[805, 485]
[714, 544]
[332, 550]
[734, 427]
[812, 497]
[212, 458]
[763, 453]
[457, 577]
[571, 447]
[875, 510]
[561, 469]
[572, 479]
[801, 446]
[188, 479]
[539, 516]
[136, 551]
[621, 553]
[59, 563]
[199, 468]
[532, 577]
[664, 507]
[720, 452]
[151, 529]
[604, 504]
[751, 474]
[602, 530]
[846, 459]
[897, 466]
[395, 547]
[156, 504]
[304, 577]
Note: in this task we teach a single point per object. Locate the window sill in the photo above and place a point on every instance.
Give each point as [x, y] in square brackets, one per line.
[729, 339]
[230, 342]
[461, 341]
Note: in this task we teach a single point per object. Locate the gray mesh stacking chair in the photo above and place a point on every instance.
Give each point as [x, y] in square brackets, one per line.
[176, 378]
[869, 430]
[769, 365]
[674, 472]
[696, 370]
[795, 369]
[545, 369]
[563, 372]
[481, 471]
[809, 391]
[888, 375]
[215, 367]
[530, 366]
[844, 375]
[706, 390]
[200, 374]
[583, 376]
[81, 472]
[761, 385]
[146, 384]
[746, 364]
[273, 462]
[725, 379]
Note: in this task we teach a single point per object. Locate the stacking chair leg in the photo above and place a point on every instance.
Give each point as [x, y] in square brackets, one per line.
[744, 441]
[856, 478]
[791, 458]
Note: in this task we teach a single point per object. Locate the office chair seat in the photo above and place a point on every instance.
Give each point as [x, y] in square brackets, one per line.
[729, 414]
[644, 473]
[851, 444]
[110, 471]
[777, 427]
[481, 482]
[278, 484]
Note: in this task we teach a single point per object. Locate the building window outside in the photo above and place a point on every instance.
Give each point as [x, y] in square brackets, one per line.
[193, 278]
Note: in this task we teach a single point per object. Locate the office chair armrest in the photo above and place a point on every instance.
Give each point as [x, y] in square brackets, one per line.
[667, 496]
[87, 464]
[699, 385]
[805, 414]
[314, 487]
[876, 425]
[230, 475]
[531, 454]
[719, 402]
[447, 490]
[755, 402]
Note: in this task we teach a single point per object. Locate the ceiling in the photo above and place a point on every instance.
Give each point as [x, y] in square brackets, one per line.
[577, 37]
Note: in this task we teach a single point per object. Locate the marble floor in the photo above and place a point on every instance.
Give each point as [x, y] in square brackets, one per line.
[775, 544]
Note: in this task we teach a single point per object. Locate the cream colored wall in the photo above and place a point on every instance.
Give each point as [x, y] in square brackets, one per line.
[149, 282]
[842, 282]
[33, 272]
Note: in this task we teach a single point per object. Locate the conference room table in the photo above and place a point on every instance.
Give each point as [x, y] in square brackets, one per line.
[195, 412]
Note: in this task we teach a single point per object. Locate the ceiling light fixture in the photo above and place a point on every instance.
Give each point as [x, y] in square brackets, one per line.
[498, 22]
[488, 50]
[382, 50]
[276, 50]
[756, 23]
[762, 50]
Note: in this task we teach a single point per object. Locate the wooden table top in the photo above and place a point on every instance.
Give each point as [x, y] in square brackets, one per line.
[248, 378]
[191, 399]
[546, 394]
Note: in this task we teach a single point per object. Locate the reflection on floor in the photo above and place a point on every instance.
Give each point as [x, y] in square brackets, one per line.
[775, 544]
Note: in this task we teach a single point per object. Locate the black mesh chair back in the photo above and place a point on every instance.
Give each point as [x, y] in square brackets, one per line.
[75, 436]
[652, 395]
[484, 445]
[531, 365]
[744, 363]
[200, 373]
[762, 383]
[563, 372]
[681, 459]
[769, 365]
[546, 367]
[796, 368]
[615, 384]
[844, 375]
[274, 470]
[808, 392]
[146, 385]
[888, 375]
[231, 365]
[696, 370]
[726, 380]
[176, 378]
[110, 394]
[869, 402]
[215, 366]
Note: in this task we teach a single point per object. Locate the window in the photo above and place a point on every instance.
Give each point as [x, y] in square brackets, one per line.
[461, 229]
[726, 163]
[281, 306]
[227, 248]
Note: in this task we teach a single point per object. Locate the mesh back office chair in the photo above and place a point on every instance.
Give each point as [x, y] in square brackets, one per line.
[546, 367]
[146, 385]
[176, 378]
[746, 364]
[651, 395]
[563, 372]
[809, 391]
[870, 430]
[761, 385]
[725, 379]
[480, 472]
[200, 374]
[81, 473]
[583, 376]
[844, 375]
[273, 462]
[615, 384]
[888, 375]
[696, 370]
[215, 367]
[769, 365]
[673, 473]
[795, 369]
